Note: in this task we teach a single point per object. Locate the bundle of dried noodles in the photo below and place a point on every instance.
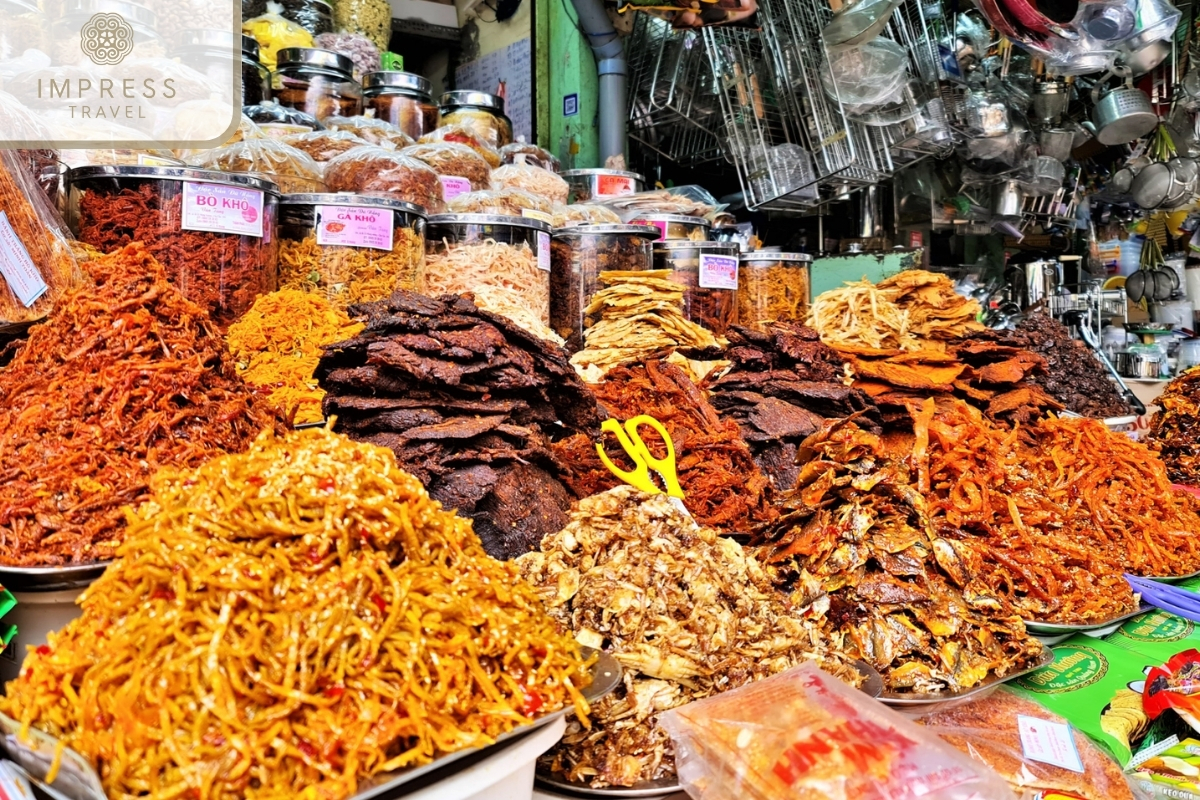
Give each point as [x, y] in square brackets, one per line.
[288, 622]
[127, 376]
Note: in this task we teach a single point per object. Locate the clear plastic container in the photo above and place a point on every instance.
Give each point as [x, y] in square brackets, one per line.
[508, 258]
[773, 287]
[290, 169]
[213, 232]
[25, 28]
[375, 131]
[709, 270]
[588, 185]
[578, 255]
[462, 134]
[256, 79]
[677, 226]
[403, 99]
[460, 168]
[317, 82]
[531, 154]
[480, 111]
[349, 249]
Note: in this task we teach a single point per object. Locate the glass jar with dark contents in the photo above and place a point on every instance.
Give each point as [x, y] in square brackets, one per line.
[480, 111]
[403, 99]
[578, 255]
[709, 270]
[256, 79]
[317, 82]
[208, 52]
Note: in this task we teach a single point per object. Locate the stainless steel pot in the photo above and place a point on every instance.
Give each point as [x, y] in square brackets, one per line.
[1121, 114]
[1007, 200]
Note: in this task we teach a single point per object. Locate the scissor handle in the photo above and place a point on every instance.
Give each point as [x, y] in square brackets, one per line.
[663, 466]
[639, 478]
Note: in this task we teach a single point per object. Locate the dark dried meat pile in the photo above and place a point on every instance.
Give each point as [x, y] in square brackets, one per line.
[1073, 375]
[724, 488]
[783, 386]
[467, 401]
[1175, 428]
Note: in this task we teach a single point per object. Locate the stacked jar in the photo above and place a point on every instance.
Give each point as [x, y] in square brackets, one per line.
[481, 112]
[590, 185]
[256, 79]
[676, 226]
[709, 271]
[403, 99]
[773, 287]
[318, 82]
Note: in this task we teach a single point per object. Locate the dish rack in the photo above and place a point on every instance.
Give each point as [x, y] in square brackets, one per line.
[673, 105]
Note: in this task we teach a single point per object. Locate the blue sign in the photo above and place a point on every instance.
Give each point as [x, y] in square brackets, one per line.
[570, 105]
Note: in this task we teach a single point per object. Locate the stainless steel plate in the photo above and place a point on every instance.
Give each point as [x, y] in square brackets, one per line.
[47, 579]
[658, 788]
[1053, 628]
[1173, 579]
[907, 699]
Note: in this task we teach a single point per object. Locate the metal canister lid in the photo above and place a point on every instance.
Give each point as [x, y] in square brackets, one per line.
[398, 80]
[670, 219]
[250, 47]
[207, 37]
[606, 228]
[315, 57]
[720, 248]
[131, 12]
[767, 256]
[480, 99]
[490, 219]
[351, 200]
[586, 173]
[187, 174]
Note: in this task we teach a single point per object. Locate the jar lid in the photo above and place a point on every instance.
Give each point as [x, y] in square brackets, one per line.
[398, 80]
[315, 57]
[720, 248]
[250, 46]
[490, 219]
[481, 99]
[132, 12]
[584, 173]
[770, 257]
[606, 228]
[682, 219]
[206, 37]
[351, 200]
[25, 7]
[188, 174]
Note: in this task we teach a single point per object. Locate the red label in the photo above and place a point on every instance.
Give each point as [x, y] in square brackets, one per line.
[614, 186]
[916, 238]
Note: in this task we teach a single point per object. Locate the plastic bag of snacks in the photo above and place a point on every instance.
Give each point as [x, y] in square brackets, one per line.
[1033, 749]
[370, 18]
[325, 145]
[274, 33]
[531, 154]
[805, 735]
[584, 214]
[356, 47]
[294, 171]
[460, 134]
[536, 180]
[375, 131]
[506, 202]
[278, 121]
[385, 173]
[462, 169]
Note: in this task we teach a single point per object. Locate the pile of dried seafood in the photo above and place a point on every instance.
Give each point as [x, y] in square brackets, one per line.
[687, 613]
[723, 486]
[466, 400]
[1175, 428]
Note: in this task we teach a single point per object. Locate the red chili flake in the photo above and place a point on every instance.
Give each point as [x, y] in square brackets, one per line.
[379, 602]
[255, 480]
[308, 750]
[327, 485]
[335, 691]
[29, 673]
[533, 701]
[43, 649]
[314, 555]
[162, 594]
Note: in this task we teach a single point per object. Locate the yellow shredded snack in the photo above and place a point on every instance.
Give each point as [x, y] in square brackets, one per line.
[346, 275]
[772, 292]
[463, 268]
[277, 345]
[288, 622]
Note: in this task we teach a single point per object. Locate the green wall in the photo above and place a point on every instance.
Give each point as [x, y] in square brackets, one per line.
[564, 65]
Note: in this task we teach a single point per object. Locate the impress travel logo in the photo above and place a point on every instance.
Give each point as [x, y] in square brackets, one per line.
[106, 39]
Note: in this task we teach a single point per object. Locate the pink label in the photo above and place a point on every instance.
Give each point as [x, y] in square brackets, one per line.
[658, 223]
[718, 272]
[614, 186]
[348, 226]
[453, 186]
[18, 269]
[222, 209]
[543, 240]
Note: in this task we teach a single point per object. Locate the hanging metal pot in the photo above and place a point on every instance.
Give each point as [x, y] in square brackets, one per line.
[1120, 114]
[1008, 199]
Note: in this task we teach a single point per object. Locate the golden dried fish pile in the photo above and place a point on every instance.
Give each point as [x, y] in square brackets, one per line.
[912, 310]
[640, 313]
[687, 613]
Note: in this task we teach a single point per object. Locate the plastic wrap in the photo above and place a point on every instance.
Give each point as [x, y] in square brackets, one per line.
[460, 134]
[805, 735]
[385, 173]
[584, 214]
[507, 202]
[531, 154]
[461, 168]
[315, 16]
[369, 18]
[490, 126]
[290, 169]
[325, 145]
[356, 47]
[274, 33]
[278, 121]
[534, 180]
[990, 731]
[375, 131]
[246, 129]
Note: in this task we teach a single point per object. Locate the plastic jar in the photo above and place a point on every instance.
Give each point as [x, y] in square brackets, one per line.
[588, 185]
[349, 249]
[65, 30]
[317, 82]
[212, 231]
[24, 28]
[709, 270]
[677, 226]
[773, 287]
[256, 79]
[481, 112]
[578, 255]
[315, 16]
[403, 99]
[207, 52]
[506, 258]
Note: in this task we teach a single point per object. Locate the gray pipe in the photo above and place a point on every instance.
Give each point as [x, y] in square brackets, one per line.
[610, 62]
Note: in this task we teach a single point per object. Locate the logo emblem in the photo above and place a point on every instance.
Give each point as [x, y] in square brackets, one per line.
[106, 39]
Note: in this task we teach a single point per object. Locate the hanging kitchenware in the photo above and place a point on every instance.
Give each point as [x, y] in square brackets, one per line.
[1153, 185]
[1028, 15]
[1056, 143]
[1120, 114]
[1146, 57]
[858, 23]
[1122, 180]
[1107, 22]
[1007, 200]
[1184, 173]
[1051, 97]
[1041, 175]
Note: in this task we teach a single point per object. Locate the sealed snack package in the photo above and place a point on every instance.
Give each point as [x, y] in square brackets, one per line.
[462, 170]
[531, 154]
[36, 264]
[385, 173]
[354, 46]
[535, 180]
[325, 145]
[369, 18]
[805, 735]
[584, 214]
[375, 131]
[277, 121]
[292, 170]
[274, 33]
[461, 134]
[507, 202]
[1033, 749]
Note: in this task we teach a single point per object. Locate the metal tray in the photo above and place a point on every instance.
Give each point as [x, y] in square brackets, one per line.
[658, 788]
[1055, 628]
[1173, 579]
[908, 700]
[49, 579]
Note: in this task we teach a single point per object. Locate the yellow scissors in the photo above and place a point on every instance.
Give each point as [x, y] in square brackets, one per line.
[644, 460]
